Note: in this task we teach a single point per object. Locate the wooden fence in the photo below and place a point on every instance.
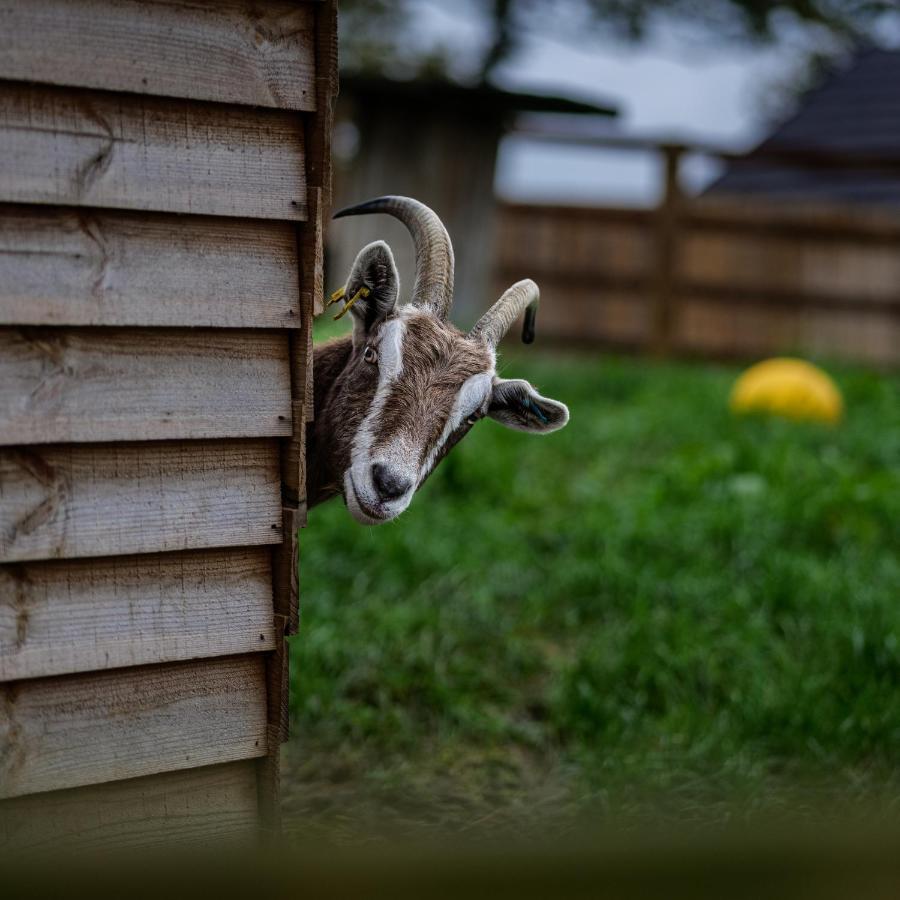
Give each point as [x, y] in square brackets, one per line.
[164, 174]
[712, 277]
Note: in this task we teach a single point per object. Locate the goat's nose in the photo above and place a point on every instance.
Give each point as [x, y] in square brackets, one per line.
[388, 482]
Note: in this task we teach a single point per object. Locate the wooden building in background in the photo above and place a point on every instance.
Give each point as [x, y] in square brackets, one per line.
[164, 176]
[435, 140]
[854, 112]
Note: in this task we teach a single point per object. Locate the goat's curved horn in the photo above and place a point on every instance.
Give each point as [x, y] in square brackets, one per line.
[434, 252]
[523, 295]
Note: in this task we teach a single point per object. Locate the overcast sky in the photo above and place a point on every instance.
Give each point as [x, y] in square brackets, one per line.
[671, 85]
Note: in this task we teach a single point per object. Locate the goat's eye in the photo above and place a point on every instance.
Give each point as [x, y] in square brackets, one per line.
[472, 419]
[370, 355]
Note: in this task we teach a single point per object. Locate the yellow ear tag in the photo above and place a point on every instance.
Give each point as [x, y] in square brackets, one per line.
[336, 296]
[362, 292]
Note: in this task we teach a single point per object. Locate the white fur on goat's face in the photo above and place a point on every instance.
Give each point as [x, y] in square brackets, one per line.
[433, 384]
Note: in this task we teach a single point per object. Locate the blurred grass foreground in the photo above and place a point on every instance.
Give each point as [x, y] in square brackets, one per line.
[661, 611]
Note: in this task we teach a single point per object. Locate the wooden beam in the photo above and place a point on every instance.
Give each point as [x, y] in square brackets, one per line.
[79, 148]
[293, 455]
[319, 126]
[111, 499]
[556, 285]
[85, 729]
[277, 715]
[666, 252]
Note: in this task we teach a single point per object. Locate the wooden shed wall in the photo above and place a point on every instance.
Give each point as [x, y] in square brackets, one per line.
[164, 173]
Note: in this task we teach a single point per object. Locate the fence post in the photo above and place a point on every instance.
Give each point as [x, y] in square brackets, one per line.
[662, 298]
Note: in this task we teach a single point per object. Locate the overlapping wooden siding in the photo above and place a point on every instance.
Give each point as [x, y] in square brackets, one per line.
[105, 726]
[69, 616]
[65, 501]
[160, 254]
[745, 280]
[68, 147]
[184, 808]
[239, 51]
[83, 385]
[61, 266]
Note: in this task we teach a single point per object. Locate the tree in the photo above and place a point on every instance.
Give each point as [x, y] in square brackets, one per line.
[377, 33]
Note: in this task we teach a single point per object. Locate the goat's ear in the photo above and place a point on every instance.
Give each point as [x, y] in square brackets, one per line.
[516, 404]
[375, 284]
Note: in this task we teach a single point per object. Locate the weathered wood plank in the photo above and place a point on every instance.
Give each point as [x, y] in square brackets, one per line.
[319, 125]
[113, 499]
[278, 694]
[185, 808]
[286, 568]
[233, 52]
[84, 729]
[87, 267]
[77, 148]
[110, 385]
[58, 617]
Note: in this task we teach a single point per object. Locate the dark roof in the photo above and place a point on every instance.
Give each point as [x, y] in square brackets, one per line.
[443, 92]
[855, 111]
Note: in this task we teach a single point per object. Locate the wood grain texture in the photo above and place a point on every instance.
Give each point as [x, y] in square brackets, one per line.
[77, 148]
[112, 385]
[87, 267]
[268, 779]
[278, 713]
[293, 455]
[319, 125]
[204, 806]
[286, 568]
[58, 617]
[115, 499]
[278, 687]
[85, 729]
[312, 250]
[231, 52]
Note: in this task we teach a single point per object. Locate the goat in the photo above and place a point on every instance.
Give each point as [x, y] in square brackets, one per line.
[392, 398]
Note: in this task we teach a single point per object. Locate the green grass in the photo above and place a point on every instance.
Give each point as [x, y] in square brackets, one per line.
[661, 610]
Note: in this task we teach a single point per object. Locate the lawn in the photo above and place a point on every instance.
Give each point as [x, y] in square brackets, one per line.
[661, 611]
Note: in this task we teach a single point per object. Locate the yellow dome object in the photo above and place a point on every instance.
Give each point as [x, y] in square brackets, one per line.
[788, 387]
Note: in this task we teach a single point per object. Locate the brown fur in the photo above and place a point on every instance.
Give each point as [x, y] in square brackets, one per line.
[437, 359]
[343, 387]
